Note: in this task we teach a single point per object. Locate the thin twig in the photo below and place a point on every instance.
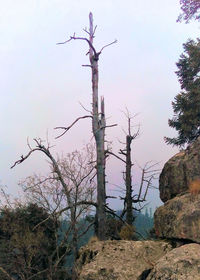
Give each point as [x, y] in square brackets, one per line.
[115, 41]
[6, 273]
[85, 108]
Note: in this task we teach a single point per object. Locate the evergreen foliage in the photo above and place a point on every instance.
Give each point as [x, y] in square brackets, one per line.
[144, 223]
[190, 10]
[186, 105]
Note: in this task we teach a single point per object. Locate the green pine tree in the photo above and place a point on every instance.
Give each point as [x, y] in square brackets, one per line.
[190, 10]
[186, 105]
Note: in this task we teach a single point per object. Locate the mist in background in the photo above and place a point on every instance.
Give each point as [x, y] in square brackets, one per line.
[42, 84]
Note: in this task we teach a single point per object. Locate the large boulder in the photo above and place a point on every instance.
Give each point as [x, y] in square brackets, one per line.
[182, 263]
[179, 218]
[180, 171]
[119, 260]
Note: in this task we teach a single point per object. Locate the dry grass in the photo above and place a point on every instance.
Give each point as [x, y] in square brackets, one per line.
[194, 187]
[127, 232]
[93, 239]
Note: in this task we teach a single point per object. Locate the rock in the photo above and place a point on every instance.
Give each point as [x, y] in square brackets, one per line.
[119, 260]
[179, 218]
[182, 263]
[180, 171]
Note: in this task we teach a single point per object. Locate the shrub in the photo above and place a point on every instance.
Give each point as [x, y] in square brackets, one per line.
[113, 228]
[127, 232]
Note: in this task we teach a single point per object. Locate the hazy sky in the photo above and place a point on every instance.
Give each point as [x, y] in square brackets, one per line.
[42, 83]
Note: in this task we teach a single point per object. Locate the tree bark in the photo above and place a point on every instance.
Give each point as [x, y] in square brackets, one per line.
[128, 180]
[98, 128]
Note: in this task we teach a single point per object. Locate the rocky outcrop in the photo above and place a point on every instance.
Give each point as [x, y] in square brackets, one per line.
[180, 171]
[119, 260]
[179, 218]
[182, 263]
[177, 221]
[179, 185]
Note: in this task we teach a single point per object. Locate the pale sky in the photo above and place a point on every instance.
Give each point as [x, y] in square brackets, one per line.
[42, 83]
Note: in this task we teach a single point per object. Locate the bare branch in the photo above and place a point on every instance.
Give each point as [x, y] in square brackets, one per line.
[122, 152]
[86, 65]
[119, 187]
[85, 108]
[104, 126]
[108, 152]
[66, 40]
[115, 41]
[28, 144]
[86, 230]
[84, 39]
[67, 128]
[95, 28]
[6, 273]
[38, 273]
[112, 125]
[109, 210]
[141, 184]
[85, 29]
[90, 203]
[24, 157]
[110, 196]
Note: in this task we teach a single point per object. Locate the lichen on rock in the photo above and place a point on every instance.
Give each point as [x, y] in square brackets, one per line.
[179, 218]
[180, 171]
[181, 263]
[119, 260]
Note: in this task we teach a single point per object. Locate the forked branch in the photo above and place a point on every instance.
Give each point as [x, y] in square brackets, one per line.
[91, 33]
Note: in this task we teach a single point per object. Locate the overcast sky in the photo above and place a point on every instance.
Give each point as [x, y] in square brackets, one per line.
[42, 83]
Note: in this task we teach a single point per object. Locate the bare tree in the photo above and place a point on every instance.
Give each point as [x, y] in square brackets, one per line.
[148, 174]
[68, 190]
[98, 124]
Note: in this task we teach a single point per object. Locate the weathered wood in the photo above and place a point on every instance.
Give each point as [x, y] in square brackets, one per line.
[98, 128]
[128, 181]
[98, 125]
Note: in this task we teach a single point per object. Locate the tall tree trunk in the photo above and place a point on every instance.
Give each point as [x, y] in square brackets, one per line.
[98, 128]
[74, 245]
[128, 180]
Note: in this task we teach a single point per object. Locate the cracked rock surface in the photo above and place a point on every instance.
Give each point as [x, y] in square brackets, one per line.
[119, 260]
[182, 263]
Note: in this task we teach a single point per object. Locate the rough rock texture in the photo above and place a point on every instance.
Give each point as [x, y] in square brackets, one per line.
[119, 260]
[180, 171]
[179, 218]
[182, 263]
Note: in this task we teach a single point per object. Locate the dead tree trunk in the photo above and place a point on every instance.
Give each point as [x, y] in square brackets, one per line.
[98, 126]
[128, 199]
[128, 181]
[148, 175]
